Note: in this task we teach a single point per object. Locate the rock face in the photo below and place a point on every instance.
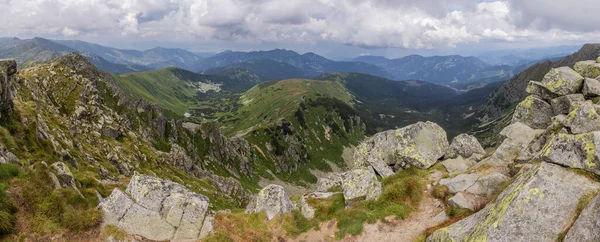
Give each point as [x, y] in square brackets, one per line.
[419, 145]
[7, 69]
[587, 225]
[566, 104]
[534, 112]
[158, 210]
[576, 151]
[584, 119]
[464, 145]
[360, 184]
[589, 69]
[272, 200]
[537, 206]
[563, 81]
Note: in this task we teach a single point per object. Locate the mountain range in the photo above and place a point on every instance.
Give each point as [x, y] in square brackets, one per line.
[278, 64]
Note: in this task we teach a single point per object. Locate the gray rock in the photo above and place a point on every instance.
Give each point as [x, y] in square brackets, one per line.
[382, 169]
[158, 210]
[360, 184]
[576, 151]
[587, 225]
[464, 145]
[589, 69]
[563, 81]
[537, 206]
[487, 184]
[64, 174]
[457, 165]
[591, 87]
[459, 201]
[273, 200]
[207, 227]
[584, 119]
[419, 145]
[566, 104]
[326, 183]
[533, 112]
[459, 183]
[538, 89]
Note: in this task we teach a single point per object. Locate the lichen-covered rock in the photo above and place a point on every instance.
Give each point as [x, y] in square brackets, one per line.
[158, 210]
[307, 210]
[382, 169]
[566, 104]
[459, 201]
[64, 174]
[591, 87]
[563, 81]
[7, 69]
[326, 183]
[537, 206]
[464, 145]
[584, 119]
[576, 151]
[419, 145]
[360, 184]
[459, 183]
[590, 68]
[273, 201]
[533, 112]
[587, 225]
[538, 89]
[518, 137]
[487, 184]
[457, 165]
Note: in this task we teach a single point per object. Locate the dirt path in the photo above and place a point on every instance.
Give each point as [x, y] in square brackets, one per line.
[403, 230]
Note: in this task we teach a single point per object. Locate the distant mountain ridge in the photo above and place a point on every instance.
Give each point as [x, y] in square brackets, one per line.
[441, 69]
[309, 64]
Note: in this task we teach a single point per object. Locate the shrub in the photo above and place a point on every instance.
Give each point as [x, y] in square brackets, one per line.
[440, 192]
[8, 170]
[7, 223]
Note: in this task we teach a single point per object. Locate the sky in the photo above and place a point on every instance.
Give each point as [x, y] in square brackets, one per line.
[334, 28]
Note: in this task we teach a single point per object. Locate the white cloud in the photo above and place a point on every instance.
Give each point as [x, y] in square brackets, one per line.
[367, 23]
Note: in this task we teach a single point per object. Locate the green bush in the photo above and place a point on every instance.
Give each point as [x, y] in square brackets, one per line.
[8, 171]
[7, 223]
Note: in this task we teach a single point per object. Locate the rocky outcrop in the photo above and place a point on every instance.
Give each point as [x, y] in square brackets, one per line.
[534, 112]
[563, 81]
[360, 184]
[7, 69]
[580, 151]
[587, 225]
[273, 201]
[419, 145]
[464, 145]
[158, 210]
[537, 206]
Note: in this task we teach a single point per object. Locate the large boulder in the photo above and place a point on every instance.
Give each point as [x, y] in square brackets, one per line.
[538, 89]
[460, 201]
[273, 201]
[584, 119]
[576, 151]
[566, 104]
[563, 81]
[382, 169]
[591, 87]
[587, 226]
[537, 206]
[589, 68]
[419, 145]
[158, 210]
[464, 145]
[457, 165]
[360, 184]
[518, 138]
[533, 112]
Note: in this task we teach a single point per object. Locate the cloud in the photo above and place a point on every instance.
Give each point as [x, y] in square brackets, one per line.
[416, 24]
